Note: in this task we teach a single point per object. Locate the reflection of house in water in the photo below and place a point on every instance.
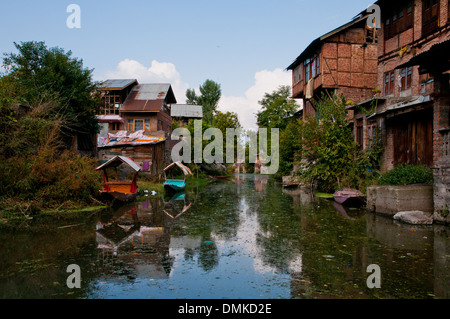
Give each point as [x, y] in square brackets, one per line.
[137, 239]
[260, 182]
[138, 236]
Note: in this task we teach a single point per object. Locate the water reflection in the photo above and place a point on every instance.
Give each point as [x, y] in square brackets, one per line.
[243, 238]
[137, 238]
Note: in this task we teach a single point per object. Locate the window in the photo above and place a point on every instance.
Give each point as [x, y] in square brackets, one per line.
[112, 103]
[409, 7]
[389, 78]
[114, 126]
[430, 17]
[138, 125]
[312, 67]
[372, 130]
[298, 74]
[359, 132]
[406, 78]
[399, 20]
[307, 70]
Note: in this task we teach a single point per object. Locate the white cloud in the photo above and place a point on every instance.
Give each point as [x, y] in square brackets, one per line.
[158, 72]
[164, 72]
[247, 106]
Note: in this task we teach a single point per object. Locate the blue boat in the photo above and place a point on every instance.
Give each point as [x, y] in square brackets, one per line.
[176, 185]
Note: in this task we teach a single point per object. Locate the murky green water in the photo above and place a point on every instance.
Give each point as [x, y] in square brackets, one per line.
[245, 238]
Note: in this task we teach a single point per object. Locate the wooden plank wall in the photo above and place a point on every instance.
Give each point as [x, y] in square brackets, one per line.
[153, 153]
[413, 138]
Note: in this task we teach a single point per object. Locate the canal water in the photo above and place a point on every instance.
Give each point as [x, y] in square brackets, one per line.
[243, 238]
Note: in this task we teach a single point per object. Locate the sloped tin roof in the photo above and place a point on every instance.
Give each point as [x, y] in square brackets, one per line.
[118, 160]
[187, 110]
[148, 97]
[117, 84]
[184, 168]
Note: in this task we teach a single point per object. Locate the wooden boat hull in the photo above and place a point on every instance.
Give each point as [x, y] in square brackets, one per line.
[349, 197]
[349, 200]
[118, 196]
[174, 186]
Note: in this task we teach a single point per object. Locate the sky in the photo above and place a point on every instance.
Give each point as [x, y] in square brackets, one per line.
[245, 45]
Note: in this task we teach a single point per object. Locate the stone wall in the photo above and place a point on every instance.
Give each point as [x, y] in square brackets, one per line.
[390, 200]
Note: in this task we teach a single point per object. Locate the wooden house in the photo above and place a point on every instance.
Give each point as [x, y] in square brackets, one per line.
[404, 108]
[343, 61]
[136, 123]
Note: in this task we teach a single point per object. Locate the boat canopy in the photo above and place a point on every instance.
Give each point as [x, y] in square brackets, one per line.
[118, 160]
[184, 168]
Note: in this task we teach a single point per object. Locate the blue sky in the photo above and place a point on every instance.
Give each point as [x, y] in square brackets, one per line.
[243, 45]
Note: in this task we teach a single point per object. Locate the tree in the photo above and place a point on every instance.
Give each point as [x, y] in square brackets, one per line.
[277, 108]
[329, 147]
[191, 97]
[222, 121]
[51, 75]
[290, 147]
[208, 99]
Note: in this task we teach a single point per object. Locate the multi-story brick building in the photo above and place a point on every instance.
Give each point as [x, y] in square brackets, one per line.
[411, 106]
[343, 61]
[405, 113]
[412, 112]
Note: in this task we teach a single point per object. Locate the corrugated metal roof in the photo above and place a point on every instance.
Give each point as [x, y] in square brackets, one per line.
[148, 97]
[110, 119]
[117, 84]
[117, 160]
[413, 101]
[152, 91]
[436, 56]
[187, 110]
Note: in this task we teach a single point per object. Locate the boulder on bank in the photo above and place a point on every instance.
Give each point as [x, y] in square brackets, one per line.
[414, 217]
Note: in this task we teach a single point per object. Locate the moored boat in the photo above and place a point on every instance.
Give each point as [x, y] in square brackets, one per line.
[349, 197]
[122, 191]
[176, 185]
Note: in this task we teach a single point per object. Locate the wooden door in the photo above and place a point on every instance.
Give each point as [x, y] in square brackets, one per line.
[413, 138]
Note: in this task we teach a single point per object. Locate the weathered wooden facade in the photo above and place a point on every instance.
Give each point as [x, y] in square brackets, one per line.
[343, 61]
[149, 155]
[136, 123]
[410, 101]
[404, 112]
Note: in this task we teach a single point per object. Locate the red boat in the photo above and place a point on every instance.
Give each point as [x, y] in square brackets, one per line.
[121, 191]
[349, 197]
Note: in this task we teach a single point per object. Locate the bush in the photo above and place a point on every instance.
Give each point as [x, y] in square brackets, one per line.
[329, 148]
[406, 175]
[66, 180]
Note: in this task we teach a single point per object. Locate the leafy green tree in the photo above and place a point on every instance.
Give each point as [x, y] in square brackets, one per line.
[222, 121]
[329, 146]
[277, 109]
[51, 75]
[191, 97]
[291, 146]
[210, 94]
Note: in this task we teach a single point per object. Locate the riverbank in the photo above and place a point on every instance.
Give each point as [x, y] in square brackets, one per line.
[15, 213]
